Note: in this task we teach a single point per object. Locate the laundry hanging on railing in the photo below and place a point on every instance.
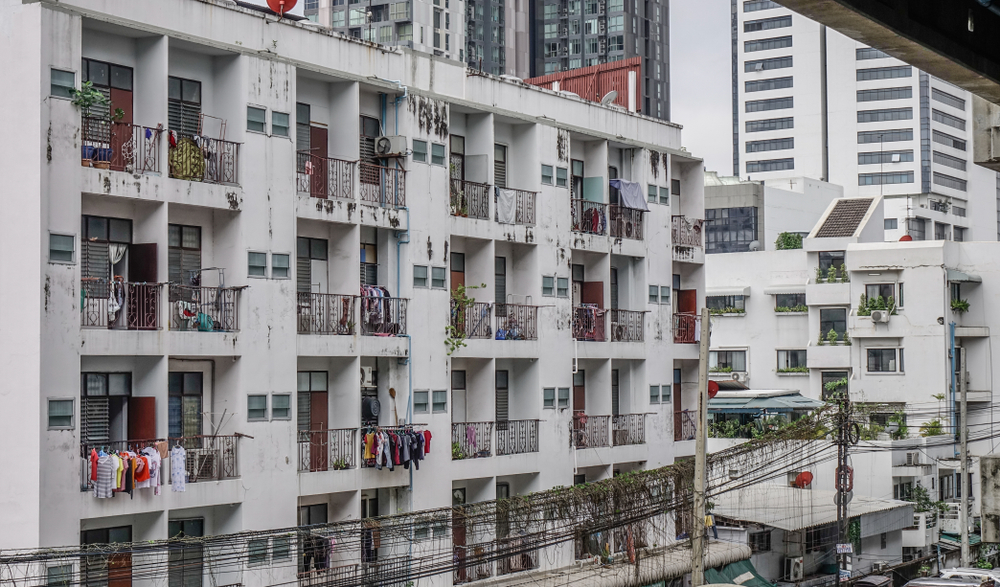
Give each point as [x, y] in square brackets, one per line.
[506, 205]
[124, 471]
[630, 194]
[391, 447]
[377, 311]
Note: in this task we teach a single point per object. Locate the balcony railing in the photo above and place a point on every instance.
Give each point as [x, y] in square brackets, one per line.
[383, 186]
[685, 231]
[473, 320]
[523, 204]
[207, 458]
[473, 562]
[120, 306]
[383, 316]
[325, 313]
[627, 325]
[628, 429]
[332, 576]
[370, 463]
[590, 431]
[471, 440]
[588, 323]
[684, 426]
[204, 159]
[626, 222]
[516, 322]
[327, 450]
[120, 146]
[470, 199]
[324, 177]
[520, 557]
[589, 217]
[515, 437]
[687, 328]
[205, 309]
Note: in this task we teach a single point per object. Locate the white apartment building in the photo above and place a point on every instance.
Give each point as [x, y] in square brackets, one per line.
[809, 101]
[243, 267]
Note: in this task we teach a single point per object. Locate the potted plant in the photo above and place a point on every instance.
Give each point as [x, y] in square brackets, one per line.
[85, 98]
[831, 337]
[960, 306]
[819, 275]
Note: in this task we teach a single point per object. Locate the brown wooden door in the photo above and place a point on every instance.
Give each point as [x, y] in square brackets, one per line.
[142, 263]
[318, 423]
[592, 293]
[122, 146]
[678, 417]
[141, 418]
[687, 301]
[579, 398]
[143, 300]
[120, 569]
[318, 149]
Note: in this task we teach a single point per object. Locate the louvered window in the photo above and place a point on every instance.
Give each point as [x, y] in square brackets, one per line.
[97, 232]
[614, 288]
[308, 250]
[185, 404]
[502, 395]
[369, 132]
[185, 561]
[302, 132]
[96, 394]
[369, 264]
[614, 392]
[500, 165]
[183, 105]
[183, 254]
[501, 285]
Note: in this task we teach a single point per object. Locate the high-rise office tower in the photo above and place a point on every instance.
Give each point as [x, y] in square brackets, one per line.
[808, 101]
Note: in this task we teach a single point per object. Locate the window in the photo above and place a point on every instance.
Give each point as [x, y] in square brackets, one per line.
[339, 18]
[947, 139]
[420, 151]
[890, 224]
[828, 377]
[664, 294]
[766, 24]
[767, 64]
[562, 287]
[952, 121]
[881, 157]
[280, 266]
[724, 303]
[791, 361]
[309, 250]
[549, 398]
[183, 253]
[762, 85]
[399, 10]
[547, 174]
[563, 397]
[770, 165]
[256, 119]
[437, 154]
[730, 230]
[916, 228]
[279, 124]
[654, 294]
[438, 279]
[821, 537]
[884, 360]
[883, 540]
[404, 32]
[755, 5]
[62, 248]
[727, 361]
[257, 264]
[946, 98]
[767, 44]
[885, 136]
[59, 576]
[617, 43]
[885, 178]
[834, 319]
[616, 23]
[420, 276]
[675, 187]
[60, 414]
[879, 94]
[884, 73]
[869, 53]
[793, 300]
[256, 551]
[421, 403]
[185, 561]
[562, 177]
[651, 191]
[959, 234]
[949, 161]
[829, 259]
[772, 104]
[95, 569]
[770, 124]
[281, 406]
[103, 401]
[184, 404]
[665, 196]
[61, 83]
[440, 405]
[548, 285]
[183, 105]
[256, 407]
[949, 181]
[654, 394]
[760, 541]
[886, 114]
[940, 231]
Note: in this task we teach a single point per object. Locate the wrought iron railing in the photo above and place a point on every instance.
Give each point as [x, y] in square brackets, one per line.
[383, 186]
[515, 437]
[204, 159]
[327, 450]
[124, 306]
[345, 575]
[625, 222]
[589, 217]
[471, 440]
[324, 177]
[588, 323]
[472, 320]
[325, 313]
[684, 426]
[207, 458]
[206, 309]
[627, 325]
[685, 231]
[628, 429]
[470, 199]
[473, 562]
[120, 146]
[520, 558]
[524, 207]
[687, 328]
[383, 316]
[590, 431]
[516, 322]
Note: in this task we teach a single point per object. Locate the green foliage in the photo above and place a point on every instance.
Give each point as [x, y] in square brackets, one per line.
[819, 275]
[831, 275]
[843, 273]
[831, 337]
[455, 336]
[721, 369]
[866, 305]
[983, 564]
[118, 115]
[960, 306]
[340, 465]
[726, 429]
[726, 310]
[821, 341]
[863, 309]
[902, 430]
[921, 499]
[932, 428]
[788, 240]
[836, 385]
[847, 339]
[854, 533]
[800, 308]
[457, 453]
[87, 97]
[794, 370]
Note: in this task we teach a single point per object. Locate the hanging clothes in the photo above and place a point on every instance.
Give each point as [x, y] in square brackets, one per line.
[506, 205]
[178, 468]
[105, 477]
[630, 194]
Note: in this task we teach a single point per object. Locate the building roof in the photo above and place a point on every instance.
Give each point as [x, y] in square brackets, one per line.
[754, 401]
[712, 178]
[845, 218]
[789, 508]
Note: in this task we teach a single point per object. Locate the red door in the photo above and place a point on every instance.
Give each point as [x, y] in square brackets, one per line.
[141, 418]
[318, 423]
[120, 569]
[687, 301]
[678, 414]
[318, 150]
[142, 293]
[122, 146]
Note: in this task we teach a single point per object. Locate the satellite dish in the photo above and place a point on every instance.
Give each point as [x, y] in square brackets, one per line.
[754, 245]
[609, 97]
[905, 238]
[713, 389]
[281, 6]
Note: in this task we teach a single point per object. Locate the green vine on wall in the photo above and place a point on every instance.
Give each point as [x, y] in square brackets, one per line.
[460, 303]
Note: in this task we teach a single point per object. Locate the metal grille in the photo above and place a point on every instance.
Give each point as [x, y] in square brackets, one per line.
[590, 431]
[324, 177]
[325, 313]
[205, 308]
[516, 437]
[516, 322]
[473, 320]
[627, 326]
[470, 199]
[473, 440]
[627, 429]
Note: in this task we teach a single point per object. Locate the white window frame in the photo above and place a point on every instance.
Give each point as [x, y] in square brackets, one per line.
[545, 399]
[654, 399]
[61, 70]
[267, 412]
[288, 127]
[563, 402]
[426, 403]
[423, 155]
[262, 131]
[426, 277]
[289, 416]
[560, 280]
[267, 551]
[58, 261]
[553, 288]
[434, 404]
[898, 358]
[72, 415]
[444, 278]
[255, 276]
[551, 175]
[288, 267]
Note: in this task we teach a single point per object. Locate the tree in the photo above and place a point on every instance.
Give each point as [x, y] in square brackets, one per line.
[788, 240]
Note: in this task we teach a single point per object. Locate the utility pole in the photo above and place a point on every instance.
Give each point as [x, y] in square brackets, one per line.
[963, 515]
[698, 534]
[847, 434]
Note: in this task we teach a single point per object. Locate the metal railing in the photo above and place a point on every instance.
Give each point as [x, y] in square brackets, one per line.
[383, 186]
[370, 462]
[588, 323]
[687, 328]
[524, 211]
[346, 575]
[625, 222]
[516, 322]
[473, 562]
[515, 437]
[590, 431]
[204, 159]
[685, 231]
[519, 559]
[324, 177]
[207, 458]
[589, 217]
[473, 320]
[470, 199]
[206, 309]
[327, 450]
[471, 440]
[120, 146]
[628, 429]
[325, 313]
[138, 308]
[627, 325]
[684, 426]
[383, 316]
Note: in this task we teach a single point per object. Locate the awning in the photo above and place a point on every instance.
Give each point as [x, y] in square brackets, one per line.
[745, 403]
[791, 288]
[955, 276]
[728, 291]
[738, 573]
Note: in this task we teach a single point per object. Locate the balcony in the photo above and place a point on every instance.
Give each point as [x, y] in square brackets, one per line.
[516, 322]
[325, 313]
[628, 429]
[381, 572]
[515, 437]
[120, 146]
[685, 234]
[119, 305]
[588, 323]
[208, 458]
[370, 463]
[627, 325]
[469, 199]
[203, 159]
[383, 316]
[473, 562]
[324, 177]
[327, 450]
[521, 560]
[383, 186]
[684, 425]
[590, 431]
[205, 309]
[626, 222]
[589, 217]
[687, 328]
[514, 207]
[473, 320]
[471, 440]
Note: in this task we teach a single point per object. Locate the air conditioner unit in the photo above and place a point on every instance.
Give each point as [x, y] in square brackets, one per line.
[393, 146]
[895, 158]
[370, 408]
[794, 567]
[368, 377]
[880, 316]
[737, 376]
[912, 458]
[880, 567]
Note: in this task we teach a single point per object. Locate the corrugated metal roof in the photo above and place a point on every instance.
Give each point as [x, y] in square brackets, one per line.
[785, 402]
[845, 217]
[593, 82]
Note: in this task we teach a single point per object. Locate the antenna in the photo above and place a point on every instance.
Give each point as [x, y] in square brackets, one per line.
[609, 97]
